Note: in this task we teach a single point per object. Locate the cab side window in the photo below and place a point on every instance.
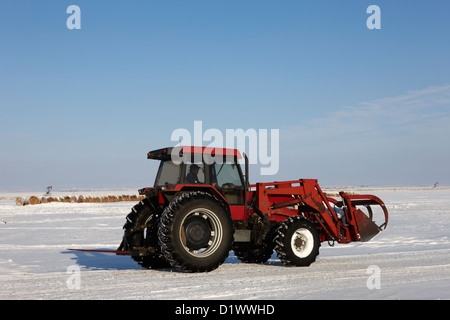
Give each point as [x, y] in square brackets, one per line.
[228, 181]
[227, 174]
[195, 173]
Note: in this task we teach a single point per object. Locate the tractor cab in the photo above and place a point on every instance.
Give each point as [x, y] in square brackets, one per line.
[193, 168]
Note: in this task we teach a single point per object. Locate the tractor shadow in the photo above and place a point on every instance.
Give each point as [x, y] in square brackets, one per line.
[273, 261]
[102, 261]
[109, 261]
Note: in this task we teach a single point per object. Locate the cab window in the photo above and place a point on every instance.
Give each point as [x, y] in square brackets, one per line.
[227, 180]
[168, 173]
[227, 174]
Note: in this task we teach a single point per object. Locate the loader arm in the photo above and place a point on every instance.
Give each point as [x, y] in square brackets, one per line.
[281, 200]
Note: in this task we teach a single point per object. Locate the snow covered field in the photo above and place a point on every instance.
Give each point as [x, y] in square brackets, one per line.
[411, 258]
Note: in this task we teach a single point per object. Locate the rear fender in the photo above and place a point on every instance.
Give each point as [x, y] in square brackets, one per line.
[205, 188]
[237, 212]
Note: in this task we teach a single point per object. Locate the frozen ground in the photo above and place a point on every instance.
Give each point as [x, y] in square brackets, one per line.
[412, 256]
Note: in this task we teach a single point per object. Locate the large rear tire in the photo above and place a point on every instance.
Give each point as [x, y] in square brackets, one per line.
[297, 242]
[195, 232]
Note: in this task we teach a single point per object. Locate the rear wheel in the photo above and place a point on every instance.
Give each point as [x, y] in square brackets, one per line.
[297, 242]
[141, 236]
[195, 232]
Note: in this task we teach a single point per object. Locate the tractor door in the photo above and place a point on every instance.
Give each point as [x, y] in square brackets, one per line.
[227, 178]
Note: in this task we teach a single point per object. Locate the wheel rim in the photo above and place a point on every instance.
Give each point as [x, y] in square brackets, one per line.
[302, 242]
[201, 233]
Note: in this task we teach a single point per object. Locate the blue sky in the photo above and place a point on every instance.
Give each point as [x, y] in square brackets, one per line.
[81, 108]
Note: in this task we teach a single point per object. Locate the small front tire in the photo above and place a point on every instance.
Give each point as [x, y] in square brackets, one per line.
[297, 242]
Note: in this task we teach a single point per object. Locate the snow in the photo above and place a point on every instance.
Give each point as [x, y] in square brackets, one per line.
[412, 257]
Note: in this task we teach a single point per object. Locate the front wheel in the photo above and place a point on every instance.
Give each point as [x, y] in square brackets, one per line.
[297, 242]
[195, 232]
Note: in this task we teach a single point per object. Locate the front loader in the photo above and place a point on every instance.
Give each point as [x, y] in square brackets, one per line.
[192, 226]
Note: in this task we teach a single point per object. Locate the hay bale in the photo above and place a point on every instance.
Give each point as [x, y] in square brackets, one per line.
[20, 201]
[34, 200]
[43, 200]
[81, 199]
[52, 199]
[331, 194]
[30, 200]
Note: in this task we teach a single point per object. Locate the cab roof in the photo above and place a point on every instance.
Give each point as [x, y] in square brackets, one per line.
[165, 153]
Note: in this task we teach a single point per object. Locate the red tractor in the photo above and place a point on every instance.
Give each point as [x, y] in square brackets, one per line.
[198, 210]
